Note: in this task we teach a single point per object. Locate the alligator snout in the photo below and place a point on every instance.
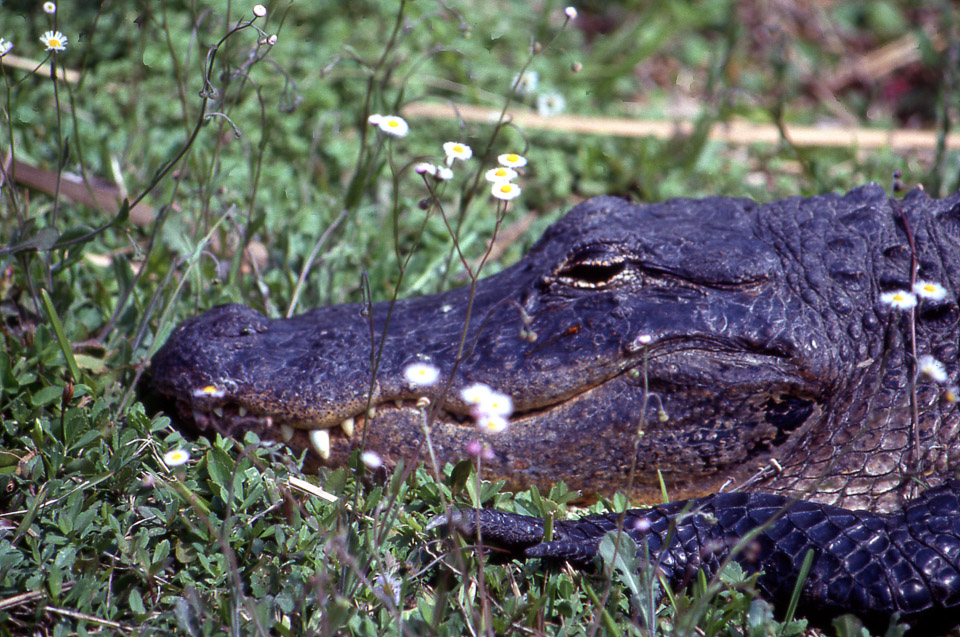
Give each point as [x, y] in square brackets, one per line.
[305, 381]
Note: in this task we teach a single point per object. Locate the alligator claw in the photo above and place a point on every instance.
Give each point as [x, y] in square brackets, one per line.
[509, 531]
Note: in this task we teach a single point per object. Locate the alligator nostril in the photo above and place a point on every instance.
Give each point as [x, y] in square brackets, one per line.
[233, 320]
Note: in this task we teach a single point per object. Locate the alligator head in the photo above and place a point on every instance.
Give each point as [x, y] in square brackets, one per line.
[687, 337]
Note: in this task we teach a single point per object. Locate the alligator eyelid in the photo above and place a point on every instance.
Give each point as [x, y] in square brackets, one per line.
[595, 250]
[592, 275]
[668, 274]
[593, 265]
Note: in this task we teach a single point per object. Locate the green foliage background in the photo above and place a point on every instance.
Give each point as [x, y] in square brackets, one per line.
[96, 534]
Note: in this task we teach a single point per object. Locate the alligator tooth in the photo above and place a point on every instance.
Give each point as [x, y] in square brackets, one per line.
[287, 432]
[398, 402]
[347, 426]
[242, 411]
[218, 412]
[372, 412]
[320, 439]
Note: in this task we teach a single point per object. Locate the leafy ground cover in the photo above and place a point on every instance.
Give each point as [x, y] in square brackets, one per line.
[166, 157]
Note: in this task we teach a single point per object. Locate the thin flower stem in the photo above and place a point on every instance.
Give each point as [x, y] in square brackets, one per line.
[60, 150]
[360, 176]
[456, 244]
[470, 193]
[8, 175]
[345, 210]
[912, 371]
[621, 518]
[308, 264]
[486, 623]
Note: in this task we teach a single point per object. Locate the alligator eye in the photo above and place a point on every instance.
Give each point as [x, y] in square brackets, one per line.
[591, 275]
[592, 266]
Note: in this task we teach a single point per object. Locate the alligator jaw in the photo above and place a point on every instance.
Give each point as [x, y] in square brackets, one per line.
[393, 426]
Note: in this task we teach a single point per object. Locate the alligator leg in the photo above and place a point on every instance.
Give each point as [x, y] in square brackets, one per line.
[869, 564]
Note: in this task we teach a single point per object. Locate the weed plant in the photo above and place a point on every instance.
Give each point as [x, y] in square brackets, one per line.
[240, 165]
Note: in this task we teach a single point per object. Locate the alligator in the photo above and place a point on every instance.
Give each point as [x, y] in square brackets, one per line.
[739, 354]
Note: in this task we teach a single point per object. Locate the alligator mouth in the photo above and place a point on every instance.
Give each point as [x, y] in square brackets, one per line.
[214, 408]
[228, 417]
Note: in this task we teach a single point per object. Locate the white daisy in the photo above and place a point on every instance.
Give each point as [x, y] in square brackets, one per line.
[494, 404]
[211, 391]
[505, 190]
[176, 457]
[929, 290]
[425, 168]
[500, 174]
[512, 160]
[900, 299]
[393, 125]
[932, 368]
[421, 374]
[371, 460]
[492, 424]
[475, 394]
[457, 150]
[54, 41]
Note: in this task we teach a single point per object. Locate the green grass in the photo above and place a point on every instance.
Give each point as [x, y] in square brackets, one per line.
[267, 146]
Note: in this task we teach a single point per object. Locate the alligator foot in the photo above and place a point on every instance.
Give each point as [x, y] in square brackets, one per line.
[871, 565]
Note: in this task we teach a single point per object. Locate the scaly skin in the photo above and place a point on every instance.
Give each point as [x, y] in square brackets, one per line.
[869, 564]
[768, 347]
[757, 330]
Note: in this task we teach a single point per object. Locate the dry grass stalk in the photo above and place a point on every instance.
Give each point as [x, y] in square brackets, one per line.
[736, 132]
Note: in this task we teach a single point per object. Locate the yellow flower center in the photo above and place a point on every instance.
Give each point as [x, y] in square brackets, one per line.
[209, 389]
[505, 188]
[513, 157]
[392, 123]
[458, 148]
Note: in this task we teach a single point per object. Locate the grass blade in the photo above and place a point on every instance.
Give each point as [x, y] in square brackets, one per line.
[61, 336]
[795, 598]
